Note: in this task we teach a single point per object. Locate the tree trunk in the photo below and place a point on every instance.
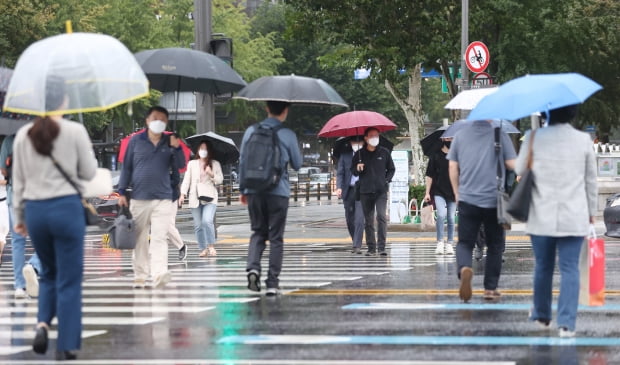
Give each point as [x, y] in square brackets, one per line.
[411, 104]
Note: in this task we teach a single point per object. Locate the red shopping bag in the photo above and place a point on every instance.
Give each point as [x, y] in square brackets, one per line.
[592, 271]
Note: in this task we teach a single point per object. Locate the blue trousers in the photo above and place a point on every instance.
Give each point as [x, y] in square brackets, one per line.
[354, 216]
[204, 228]
[568, 249]
[57, 227]
[18, 249]
[445, 212]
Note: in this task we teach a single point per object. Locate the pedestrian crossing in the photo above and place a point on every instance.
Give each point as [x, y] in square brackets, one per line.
[198, 286]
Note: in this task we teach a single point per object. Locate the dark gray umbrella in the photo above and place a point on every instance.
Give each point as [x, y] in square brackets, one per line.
[432, 143]
[292, 89]
[184, 69]
[223, 148]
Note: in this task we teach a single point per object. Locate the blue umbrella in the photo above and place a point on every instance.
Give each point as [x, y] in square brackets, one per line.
[461, 124]
[529, 94]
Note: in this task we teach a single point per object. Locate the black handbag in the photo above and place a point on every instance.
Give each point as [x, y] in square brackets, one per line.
[519, 205]
[90, 213]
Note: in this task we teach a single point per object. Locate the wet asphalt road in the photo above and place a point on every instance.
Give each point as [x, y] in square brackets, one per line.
[336, 308]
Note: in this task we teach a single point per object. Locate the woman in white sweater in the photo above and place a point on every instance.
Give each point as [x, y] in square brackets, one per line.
[199, 185]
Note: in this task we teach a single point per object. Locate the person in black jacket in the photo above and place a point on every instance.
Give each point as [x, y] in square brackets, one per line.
[375, 168]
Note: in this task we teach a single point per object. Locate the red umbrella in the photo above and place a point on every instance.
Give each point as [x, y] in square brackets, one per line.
[125, 141]
[355, 123]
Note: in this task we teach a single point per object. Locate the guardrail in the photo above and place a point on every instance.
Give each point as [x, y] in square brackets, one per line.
[299, 191]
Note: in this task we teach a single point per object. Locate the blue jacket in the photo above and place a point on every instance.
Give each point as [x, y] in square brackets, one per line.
[146, 168]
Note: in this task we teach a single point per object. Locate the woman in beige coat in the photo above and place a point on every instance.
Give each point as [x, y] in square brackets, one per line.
[563, 207]
[199, 185]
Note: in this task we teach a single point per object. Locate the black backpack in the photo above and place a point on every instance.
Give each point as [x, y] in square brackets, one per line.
[261, 161]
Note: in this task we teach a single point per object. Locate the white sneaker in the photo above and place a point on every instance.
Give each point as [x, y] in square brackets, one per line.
[440, 248]
[32, 282]
[449, 249]
[161, 280]
[565, 333]
[20, 293]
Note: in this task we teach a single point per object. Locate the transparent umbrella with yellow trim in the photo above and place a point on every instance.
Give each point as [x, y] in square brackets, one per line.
[97, 72]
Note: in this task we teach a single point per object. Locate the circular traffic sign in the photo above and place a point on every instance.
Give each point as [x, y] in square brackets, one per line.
[477, 57]
[482, 79]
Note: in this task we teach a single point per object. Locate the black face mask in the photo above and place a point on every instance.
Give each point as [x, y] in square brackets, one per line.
[447, 143]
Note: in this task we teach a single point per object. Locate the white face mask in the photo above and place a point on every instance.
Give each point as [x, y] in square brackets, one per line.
[203, 153]
[356, 147]
[157, 126]
[374, 141]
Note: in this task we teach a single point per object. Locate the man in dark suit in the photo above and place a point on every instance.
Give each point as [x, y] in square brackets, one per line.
[345, 183]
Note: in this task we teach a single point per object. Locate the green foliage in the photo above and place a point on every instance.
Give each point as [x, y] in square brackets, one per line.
[417, 192]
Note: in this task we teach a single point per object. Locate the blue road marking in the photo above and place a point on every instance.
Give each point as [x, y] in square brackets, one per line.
[418, 340]
[465, 306]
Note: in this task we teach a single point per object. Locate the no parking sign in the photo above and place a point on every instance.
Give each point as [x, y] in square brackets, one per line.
[477, 57]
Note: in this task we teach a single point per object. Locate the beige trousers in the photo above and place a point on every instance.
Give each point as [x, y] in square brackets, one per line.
[151, 257]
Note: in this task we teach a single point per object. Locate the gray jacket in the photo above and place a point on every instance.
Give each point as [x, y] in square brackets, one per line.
[565, 195]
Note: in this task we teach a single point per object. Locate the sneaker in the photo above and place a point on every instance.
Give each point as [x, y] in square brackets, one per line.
[382, 253]
[565, 333]
[139, 284]
[254, 280]
[272, 292]
[465, 289]
[161, 280]
[183, 253]
[491, 295]
[449, 250]
[478, 253]
[20, 293]
[440, 248]
[371, 253]
[32, 282]
[544, 324]
[358, 251]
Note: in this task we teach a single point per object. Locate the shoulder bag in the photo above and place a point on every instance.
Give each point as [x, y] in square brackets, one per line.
[503, 217]
[519, 205]
[90, 213]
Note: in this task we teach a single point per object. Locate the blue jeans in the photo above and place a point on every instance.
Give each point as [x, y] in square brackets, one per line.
[57, 228]
[568, 249]
[18, 243]
[445, 211]
[203, 224]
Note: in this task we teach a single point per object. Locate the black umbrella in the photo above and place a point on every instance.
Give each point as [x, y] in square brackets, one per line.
[342, 145]
[223, 148]
[292, 89]
[432, 143]
[184, 69]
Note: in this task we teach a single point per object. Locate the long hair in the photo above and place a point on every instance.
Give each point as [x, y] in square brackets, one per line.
[209, 154]
[45, 130]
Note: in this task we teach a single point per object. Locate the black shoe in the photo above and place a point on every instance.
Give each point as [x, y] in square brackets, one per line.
[183, 253]
[39, 345]
[382, 253]
[371, 253]
[66, 355]
[253, 281]
[272, 292]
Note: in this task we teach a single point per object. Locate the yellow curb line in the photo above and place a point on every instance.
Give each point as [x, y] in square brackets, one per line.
[348, 240]
[416, 292]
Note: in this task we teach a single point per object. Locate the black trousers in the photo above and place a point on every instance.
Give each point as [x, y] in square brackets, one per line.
[267, 220]
[470, 218]
[371, 203]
